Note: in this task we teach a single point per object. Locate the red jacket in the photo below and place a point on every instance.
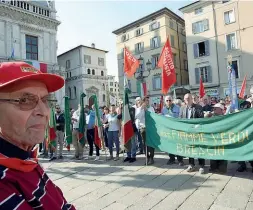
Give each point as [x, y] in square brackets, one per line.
[24, 184]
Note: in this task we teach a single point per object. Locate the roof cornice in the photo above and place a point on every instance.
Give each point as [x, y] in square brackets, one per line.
[164, 11]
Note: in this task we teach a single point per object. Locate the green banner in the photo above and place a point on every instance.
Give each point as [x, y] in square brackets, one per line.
[227, 137]
[68, 133]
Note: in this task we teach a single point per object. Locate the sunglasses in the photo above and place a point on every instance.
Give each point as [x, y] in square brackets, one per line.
[28, 101]
[168, 100]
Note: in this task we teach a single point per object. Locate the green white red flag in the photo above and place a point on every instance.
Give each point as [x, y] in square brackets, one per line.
[168, 69]
[98, 136]
[82, 120]
[202, 92]
[40, 66]
[242, 92]
[51, 136]
[128, 131]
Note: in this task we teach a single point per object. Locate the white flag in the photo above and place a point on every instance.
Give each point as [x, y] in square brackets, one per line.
[112, 100]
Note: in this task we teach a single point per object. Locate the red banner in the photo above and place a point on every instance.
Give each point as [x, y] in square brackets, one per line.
[130, 63]
[202, 92]
[168, 69]
[242, 92]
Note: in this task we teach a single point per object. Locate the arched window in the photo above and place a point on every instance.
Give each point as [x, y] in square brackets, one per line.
[93, 71]
[103, 86]
[88, 71]
[69, 93]
[75, 91]
[102, 73]
[103, 97]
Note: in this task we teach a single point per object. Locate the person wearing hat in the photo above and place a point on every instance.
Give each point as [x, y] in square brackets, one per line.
[24, 111]
[218, 166]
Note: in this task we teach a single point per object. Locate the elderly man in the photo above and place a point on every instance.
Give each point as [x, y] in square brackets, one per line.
[171, 110]
[24, 113]
[189, 111]
[137, 106]
[218, 166]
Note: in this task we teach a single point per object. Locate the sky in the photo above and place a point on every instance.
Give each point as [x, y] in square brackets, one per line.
[86, 22]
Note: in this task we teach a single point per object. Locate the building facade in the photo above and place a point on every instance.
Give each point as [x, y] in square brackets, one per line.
[28, 33]
[146, 37]
[214, 31]
[85, 72]
[113, 88]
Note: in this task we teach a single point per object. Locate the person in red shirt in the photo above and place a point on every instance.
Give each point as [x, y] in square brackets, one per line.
[24, 116]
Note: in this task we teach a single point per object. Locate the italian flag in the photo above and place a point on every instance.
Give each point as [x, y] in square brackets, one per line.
[141, 89]
[68, 133]
[82, 120]
[98, 136]
[128, 131]
[40, 66]
[51, 131]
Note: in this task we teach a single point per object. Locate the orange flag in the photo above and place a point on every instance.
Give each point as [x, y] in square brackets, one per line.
[242, 92]
[130, 63]
[168, 69]
[201, 89]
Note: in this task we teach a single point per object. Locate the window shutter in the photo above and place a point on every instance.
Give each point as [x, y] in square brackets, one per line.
[209, 74]
[197, 76]
[194, 28]
[160, 82]
[207, 53]
[153, 62]
[153, 82]
[151, 44]
[195, 50]
[228, 42]
[150, 27]
[206, 24]
[142, 47]
[159, 41]
[158, 24]
[136, 32]
[136, 48]
[226, 17]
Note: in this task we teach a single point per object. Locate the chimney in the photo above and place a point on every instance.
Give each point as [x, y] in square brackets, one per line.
[93, 45]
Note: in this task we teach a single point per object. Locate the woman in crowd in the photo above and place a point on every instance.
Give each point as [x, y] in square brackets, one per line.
[114, 131]
[105, 125]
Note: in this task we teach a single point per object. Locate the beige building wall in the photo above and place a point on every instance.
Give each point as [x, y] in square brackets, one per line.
[217, 34]
[164, 31]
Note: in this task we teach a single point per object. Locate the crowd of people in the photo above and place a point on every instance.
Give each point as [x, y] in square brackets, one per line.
[190, 107]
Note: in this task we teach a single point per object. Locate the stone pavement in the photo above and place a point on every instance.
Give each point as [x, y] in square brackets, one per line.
[114, 185]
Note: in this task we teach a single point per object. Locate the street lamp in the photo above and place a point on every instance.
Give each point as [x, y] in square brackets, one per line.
[141, 74]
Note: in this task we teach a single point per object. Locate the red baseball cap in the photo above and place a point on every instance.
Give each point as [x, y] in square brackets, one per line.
[12, 72]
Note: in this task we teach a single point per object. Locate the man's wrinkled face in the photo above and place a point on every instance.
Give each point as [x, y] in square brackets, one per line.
[147, 101]
[24, 127]
[58, 109]
[217, 111]
[188, 99]
[168, 101]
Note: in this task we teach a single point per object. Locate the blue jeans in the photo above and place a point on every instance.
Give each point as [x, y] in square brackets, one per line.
[132, 153]
[140, 142]
[113, 137]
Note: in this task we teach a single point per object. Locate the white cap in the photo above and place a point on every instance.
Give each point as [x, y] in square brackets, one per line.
[250, 100]
[138, 99]
[219, 105]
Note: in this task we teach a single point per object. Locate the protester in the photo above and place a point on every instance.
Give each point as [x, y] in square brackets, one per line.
[218, 166]
[195, 99]
[75, 135]
[24, 111]
[206, 106]
[171, 110]
[114, 131]
[90, 122]
[140, 116]
[138, 107]
[189, 111]
[60, 124]
[105, 125]
[178, 102]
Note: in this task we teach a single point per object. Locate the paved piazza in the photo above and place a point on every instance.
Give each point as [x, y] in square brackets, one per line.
[111, 185]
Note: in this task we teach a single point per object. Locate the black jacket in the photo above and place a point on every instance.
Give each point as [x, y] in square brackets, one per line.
[197, 111]
[61, 122]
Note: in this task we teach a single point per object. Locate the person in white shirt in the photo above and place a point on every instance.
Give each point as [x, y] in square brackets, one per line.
[140, 117]
[75, 134]
[114, 131]
[137, 107]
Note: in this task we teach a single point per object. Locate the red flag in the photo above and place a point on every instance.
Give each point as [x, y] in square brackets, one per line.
[242, 92]
[166, 63]
[144, 85]
[201, 89]
[130, 63]
[43, 67]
